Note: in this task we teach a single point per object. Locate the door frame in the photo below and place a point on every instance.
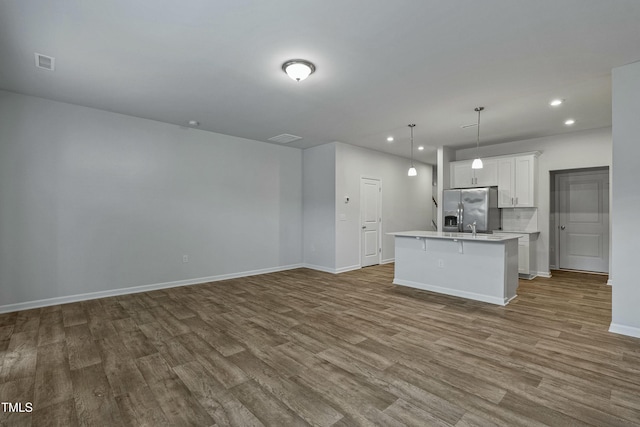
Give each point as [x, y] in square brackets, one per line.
[363, 177]
[555, 213]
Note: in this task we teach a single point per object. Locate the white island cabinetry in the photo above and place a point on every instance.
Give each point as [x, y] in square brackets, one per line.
[483, 268]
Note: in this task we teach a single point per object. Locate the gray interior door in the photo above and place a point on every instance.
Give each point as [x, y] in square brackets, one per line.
[584, 220]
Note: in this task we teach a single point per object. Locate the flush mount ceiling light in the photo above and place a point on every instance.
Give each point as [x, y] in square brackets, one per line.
[389, 139]
[194, 123]
[569, 122]
[412, 169]
[555, 102]
[298, 69]
[477, 162]
[421, 148]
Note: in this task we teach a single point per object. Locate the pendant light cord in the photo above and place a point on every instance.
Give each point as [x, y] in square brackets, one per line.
[412, 126]
[478, 109]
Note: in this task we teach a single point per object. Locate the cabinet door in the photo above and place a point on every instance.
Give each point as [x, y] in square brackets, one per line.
[523, 257]
[461, 175]
[524, 181]
[488, 175]
[506, 176]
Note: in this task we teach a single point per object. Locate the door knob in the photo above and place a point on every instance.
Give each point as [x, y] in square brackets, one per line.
[364, 227]
[562, 227]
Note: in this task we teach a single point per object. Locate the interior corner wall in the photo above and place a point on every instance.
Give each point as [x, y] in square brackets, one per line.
[93, 203]
[625, 200]
[575, 150]
[319, 190]
[445, 156]
[406, 201]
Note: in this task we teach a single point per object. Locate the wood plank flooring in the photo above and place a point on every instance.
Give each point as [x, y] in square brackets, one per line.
[303, 347]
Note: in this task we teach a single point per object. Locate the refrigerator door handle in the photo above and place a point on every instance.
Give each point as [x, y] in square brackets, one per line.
[460, 217]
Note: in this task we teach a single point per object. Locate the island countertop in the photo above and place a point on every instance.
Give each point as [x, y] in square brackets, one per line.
[455, 236]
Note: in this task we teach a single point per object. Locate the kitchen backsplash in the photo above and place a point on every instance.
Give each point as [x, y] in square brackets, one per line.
[520, 219]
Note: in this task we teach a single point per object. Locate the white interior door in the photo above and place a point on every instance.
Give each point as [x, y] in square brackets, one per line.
[584, 220]
[371, 220]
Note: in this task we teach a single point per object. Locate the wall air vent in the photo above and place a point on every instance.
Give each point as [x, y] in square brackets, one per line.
[45, 62]
[285, 138]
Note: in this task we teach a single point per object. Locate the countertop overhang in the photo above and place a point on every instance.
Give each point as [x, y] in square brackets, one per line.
[493, 238]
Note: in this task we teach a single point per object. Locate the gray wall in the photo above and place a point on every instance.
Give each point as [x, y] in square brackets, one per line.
[406, 201]
[92, 201]
[319, 189]
[332, 227]
[625, 200]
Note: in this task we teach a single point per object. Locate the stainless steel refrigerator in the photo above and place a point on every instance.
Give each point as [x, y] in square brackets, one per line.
[463, 207]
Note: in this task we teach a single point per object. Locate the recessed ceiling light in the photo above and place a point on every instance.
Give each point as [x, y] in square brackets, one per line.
[194, 123]
[555, 102]
[569, 122]
[298, 69]
[389, 139]
[421, 148]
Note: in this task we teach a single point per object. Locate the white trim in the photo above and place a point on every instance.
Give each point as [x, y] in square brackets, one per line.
[332, 270]
[319, 268]
[609, 282]
[546, 274]
[454, 292]
[631, 331]
[136, 289]
[349, 268]
[388, 261]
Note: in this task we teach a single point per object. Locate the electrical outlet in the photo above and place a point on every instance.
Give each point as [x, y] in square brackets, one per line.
[185, 258]
[441, 263]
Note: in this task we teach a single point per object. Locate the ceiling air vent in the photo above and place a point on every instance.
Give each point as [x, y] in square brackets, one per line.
[45, 62]
[285, 138]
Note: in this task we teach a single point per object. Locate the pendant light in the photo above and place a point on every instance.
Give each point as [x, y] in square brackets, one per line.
[477, 162]
[412, 169]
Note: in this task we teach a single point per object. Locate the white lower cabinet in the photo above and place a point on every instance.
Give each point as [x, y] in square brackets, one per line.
[526, 253]
[527, 256]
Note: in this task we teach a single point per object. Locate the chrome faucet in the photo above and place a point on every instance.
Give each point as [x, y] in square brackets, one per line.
[473, 228]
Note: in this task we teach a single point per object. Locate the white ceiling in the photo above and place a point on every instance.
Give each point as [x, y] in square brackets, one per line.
[381, 64]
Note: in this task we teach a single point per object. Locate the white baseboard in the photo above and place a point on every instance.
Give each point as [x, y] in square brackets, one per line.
[137, 289]
[349, 268]
[320, 268]
[388, 261]
[454, 292]
[609, 282]
[332, 270]
[545, 274]
[631, 331]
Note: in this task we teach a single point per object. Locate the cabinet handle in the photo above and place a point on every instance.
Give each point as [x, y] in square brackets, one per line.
[512, 201]
[516, 200]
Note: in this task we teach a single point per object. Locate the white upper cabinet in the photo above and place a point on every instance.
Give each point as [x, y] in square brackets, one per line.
[516, 181]
[515, 177]
[462, 176]
[488, 175]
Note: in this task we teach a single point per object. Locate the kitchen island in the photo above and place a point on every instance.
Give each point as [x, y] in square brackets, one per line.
[482, 268]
